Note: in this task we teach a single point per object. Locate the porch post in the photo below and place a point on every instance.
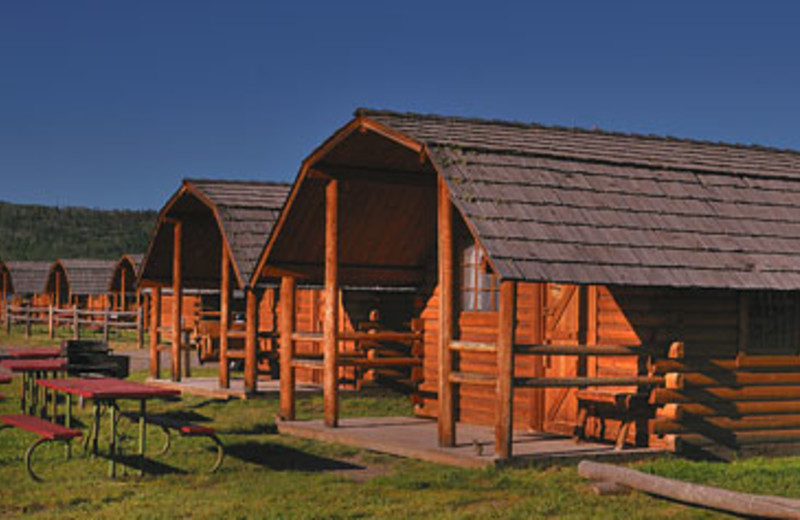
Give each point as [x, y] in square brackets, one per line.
[251, 341]
[155, 324]
[331, 316]
[285, 330]
[447, 424]
[122, 291]
[57, 291]
[224, 319]
[503, 431]
[177, 299]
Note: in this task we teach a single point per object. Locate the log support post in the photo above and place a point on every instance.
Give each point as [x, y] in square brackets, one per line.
[251, 342]
[106, 317]
[446, 420]
[76, 323]
[503, 436]
[177, 299]
[28, 322]
[155, 340]
[122, 294]
[50, 324]
[224, 319]
[286, 329]
[330, 378]
[139, 326]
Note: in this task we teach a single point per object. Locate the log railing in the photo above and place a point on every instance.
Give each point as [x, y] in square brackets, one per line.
[75, 319]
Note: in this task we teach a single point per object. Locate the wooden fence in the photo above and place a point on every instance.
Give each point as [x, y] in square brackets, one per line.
[74, 319]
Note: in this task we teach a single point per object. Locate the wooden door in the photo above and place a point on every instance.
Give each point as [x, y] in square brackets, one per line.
[562, 326]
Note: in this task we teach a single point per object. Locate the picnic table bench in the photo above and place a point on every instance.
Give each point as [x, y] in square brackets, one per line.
[185, 428]
[47, 432]
[627, 407]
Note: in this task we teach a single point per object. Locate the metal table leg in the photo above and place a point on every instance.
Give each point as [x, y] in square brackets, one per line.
[112, 446]
[68, 420]
[142, 435]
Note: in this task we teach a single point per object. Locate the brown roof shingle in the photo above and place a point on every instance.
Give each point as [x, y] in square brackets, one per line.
[587, 206]
[88, 276]
[28, 277]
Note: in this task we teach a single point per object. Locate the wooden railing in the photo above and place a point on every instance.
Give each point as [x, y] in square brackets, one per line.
[75, 319]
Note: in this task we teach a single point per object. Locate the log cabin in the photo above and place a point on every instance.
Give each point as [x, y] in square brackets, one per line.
[5, 288]
[122, 288]
[635, 288]
[27, 280]
[80, 282]
[207, 239]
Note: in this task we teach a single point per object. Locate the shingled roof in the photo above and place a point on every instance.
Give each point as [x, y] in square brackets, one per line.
[585, 206]
[246, 212]
[28, 277]
[87, 276]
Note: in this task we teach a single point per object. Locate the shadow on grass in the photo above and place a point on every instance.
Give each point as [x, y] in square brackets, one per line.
[256, 429]
[283, 458]
[151, 466]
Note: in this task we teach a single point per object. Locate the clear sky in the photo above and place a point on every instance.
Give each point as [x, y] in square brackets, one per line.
[109, 103]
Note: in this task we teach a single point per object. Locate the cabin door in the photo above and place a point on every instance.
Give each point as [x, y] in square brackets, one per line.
[562, 326]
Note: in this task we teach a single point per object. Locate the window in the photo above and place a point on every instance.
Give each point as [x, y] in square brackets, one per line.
[773, 322]
[477, 283]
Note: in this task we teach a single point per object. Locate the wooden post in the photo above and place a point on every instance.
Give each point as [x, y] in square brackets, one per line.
[330, 374]
[503, 432]
[76, 324]
[537, 338]
[447, 423]
[224, 319]
[4, 302]
[139, 327]
[106, 316]
[8, 320]
[286, 329]
[251, 341]
[155, 324]
[28, 322]
[50, 329]
[122, 290]
[177, 300]
[57, 289]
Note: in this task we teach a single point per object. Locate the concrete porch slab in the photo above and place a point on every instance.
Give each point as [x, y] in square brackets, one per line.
[415, 437]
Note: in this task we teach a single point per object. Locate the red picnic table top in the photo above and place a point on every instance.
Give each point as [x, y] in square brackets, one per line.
[5, 377]
[35, 365]
[32, 352]
[106, 388]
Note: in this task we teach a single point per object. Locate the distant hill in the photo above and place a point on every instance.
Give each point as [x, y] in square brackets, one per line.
[30, 232]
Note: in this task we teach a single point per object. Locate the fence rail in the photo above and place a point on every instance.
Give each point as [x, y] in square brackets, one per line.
[75, 319]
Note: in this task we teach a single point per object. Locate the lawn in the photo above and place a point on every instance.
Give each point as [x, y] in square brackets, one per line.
[266, 475]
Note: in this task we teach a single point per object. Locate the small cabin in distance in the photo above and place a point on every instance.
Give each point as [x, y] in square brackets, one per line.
[27, 281]
[561, 272]
[80, 282]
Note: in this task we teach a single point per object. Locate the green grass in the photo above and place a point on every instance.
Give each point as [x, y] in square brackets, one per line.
[271, 476]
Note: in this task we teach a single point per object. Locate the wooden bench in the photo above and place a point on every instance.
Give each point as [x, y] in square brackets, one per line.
[47, 432]
[185, 429]
[626, 407]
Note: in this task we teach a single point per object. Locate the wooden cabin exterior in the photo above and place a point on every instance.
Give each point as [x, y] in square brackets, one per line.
[80, 282]
[27, 280]
[122, 289]
[206, 241]
[636, 288]
[5, 288]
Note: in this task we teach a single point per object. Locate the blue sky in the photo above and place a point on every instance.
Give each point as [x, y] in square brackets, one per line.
[110, 103]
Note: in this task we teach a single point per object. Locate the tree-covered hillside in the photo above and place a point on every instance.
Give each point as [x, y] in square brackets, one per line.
[29, 232]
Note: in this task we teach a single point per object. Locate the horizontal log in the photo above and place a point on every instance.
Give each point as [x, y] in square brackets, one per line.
[748, 363]
[733, 440]
[380, 335]
[380, 362]
[733, 409]
[472, 378]
[577, 350]
[710, 425]
[731, 379]
[581, 382]
[312, 337]
[314, 364]
[723, 394]
[745, 504]
[473, 346]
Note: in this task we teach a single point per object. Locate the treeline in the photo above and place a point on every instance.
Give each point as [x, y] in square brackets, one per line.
[30, 232]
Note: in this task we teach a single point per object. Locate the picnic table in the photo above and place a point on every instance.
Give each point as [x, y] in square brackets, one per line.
[107, 391]
[30, 352]
[31, 370]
